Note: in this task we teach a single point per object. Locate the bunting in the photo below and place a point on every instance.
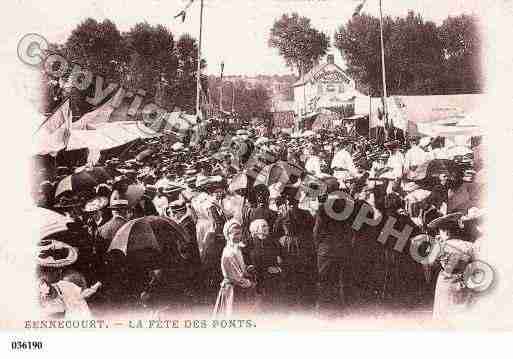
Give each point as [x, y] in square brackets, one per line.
[54, 133]
[359, 8]
[101, 114]
[183, 13]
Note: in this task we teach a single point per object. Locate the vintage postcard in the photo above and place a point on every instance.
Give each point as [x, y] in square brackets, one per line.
[256, 165]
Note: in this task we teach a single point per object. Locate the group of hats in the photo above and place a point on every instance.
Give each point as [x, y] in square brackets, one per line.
[175, 206]
[211, 183]
[67, 201]
[394, 144]
[99, 203]
[172, 189]
[473, 214]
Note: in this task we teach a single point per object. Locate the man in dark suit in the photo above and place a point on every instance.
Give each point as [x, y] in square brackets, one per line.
[332, 239]
[106, 232]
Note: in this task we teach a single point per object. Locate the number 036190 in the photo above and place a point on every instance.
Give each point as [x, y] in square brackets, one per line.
[21, 345]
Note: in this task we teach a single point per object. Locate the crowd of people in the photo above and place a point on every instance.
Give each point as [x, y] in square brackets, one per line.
[255, 230]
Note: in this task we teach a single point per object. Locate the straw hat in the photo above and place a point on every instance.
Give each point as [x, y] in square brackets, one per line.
[441, 221]
[96, 204]
[56, 254]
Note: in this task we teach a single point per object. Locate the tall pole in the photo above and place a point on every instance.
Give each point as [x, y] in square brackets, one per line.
[304, 95]
[198, 71]
[370, 112]
[233, 98]
[221, 98]
[385, 111]
[221, 90]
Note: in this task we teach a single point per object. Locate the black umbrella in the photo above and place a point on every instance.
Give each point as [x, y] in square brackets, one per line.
[439, 166]
[144, 155]
[280, 171]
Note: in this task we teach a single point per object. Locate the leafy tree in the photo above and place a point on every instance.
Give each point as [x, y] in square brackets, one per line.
[462, 49]
[153, 62]
[250, 101]
[98, 47]
[420, 58]
[183, 90]
[298, 42]
[146, 57]
[359, 43]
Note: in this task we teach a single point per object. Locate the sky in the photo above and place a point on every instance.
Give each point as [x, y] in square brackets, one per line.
[235, 31]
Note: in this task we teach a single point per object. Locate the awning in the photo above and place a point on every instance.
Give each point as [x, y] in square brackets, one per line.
[310, 116]
[435, 130]
[109, 135]
[355, 117]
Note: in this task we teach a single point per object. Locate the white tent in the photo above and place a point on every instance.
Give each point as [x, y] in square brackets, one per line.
[434, 130]
[109, 135]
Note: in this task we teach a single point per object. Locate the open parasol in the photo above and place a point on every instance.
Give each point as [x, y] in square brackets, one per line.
[144, 154]
[439, 166]
[151, 242]
[83, 180]
[49, 222]
[280, 171]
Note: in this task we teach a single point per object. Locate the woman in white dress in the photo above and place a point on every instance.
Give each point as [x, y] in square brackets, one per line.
[237, 286]
[452, 294]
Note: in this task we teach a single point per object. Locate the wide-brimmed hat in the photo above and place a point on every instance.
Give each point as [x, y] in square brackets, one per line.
[120, 179]
[96, 204]
[62, 170]
[127, 172]
[56, 254]
[468, 175]
[242, 133]
[332, 184]
[392, 144]
[214, 183]
[67, 202]
[177, 146]
[178, 205]
[118, 204]
[424, 141]
[113, 162]
[191, 172]
[45, 186]
[444, 220]
[172, 189]
[290, 191]
[473, 214]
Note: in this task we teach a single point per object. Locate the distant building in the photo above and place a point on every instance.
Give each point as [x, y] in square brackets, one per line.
[282, 114]
[325, 90]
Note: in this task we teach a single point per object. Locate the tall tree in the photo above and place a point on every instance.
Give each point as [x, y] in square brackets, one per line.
[183, 91]
[413, 53]
[250, 101]
[98, 47]
[358, 42]
[153, 62]
[298, 42]
[462, 47]
[420, 57]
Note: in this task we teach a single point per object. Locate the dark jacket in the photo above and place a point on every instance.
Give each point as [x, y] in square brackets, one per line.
[332, 237]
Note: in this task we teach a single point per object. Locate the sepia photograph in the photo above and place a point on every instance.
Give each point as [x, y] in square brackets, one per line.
[293, 164]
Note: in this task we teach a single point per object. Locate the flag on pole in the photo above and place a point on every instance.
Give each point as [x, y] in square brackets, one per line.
[359, 7]
[100, 115]
[183, 13]
[53, 135]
